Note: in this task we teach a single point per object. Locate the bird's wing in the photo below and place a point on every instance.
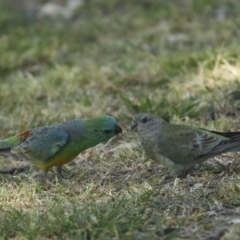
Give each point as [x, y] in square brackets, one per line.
[185, 146]
[41, 143]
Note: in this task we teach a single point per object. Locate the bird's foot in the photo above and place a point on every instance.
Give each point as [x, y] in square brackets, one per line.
[46, 176]
[168, 177]
[187, 174]
[234, 166]
[182, 175]
[59, 172]
[189, 180]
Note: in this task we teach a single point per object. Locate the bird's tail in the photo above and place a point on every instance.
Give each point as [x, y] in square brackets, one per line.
[6, 145]
[7, 153]
[229, 135]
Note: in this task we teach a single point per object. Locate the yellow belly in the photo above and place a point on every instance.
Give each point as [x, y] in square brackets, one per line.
[53, 162]
[65, 156]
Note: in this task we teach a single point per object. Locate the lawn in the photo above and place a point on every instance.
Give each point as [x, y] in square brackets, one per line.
[177, 59]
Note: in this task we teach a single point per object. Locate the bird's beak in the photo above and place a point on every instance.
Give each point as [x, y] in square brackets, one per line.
[133, 125]
[118, 129]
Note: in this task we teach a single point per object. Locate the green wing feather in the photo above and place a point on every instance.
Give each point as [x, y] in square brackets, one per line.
[189, 145]
[225, 135]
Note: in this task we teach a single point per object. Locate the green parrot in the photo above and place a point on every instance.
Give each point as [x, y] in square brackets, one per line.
[180, 147]
[59, 144]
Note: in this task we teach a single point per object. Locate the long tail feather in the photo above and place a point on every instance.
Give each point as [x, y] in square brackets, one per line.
[230, 135]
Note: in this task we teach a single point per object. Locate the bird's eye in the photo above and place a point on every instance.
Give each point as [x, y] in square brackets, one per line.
[107, 131]
[144, 119]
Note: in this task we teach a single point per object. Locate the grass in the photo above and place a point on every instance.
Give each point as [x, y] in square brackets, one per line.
[177, 59]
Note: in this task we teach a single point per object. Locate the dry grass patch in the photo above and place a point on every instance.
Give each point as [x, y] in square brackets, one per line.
[177, 60]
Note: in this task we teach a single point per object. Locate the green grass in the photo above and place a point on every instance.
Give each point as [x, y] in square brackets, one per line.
[177, 59]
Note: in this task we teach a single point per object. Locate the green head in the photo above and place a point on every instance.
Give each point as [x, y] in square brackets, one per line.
[102, 128]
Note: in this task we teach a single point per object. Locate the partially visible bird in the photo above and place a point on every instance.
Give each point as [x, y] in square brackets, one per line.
[59, 144]
[180, 147]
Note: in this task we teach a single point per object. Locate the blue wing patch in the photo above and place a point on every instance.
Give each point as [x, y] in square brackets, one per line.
[42, 143]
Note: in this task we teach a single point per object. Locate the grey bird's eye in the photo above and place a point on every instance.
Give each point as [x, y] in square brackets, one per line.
[144, 120]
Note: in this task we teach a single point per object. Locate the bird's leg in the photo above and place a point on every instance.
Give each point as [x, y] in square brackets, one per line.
[46, 175]
[189, 180]
[234, 166]
[188, 176]
[183, 174]
[59, 171]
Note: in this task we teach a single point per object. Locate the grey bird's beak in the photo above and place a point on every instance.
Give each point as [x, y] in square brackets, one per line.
[133, 125]
[118, 129]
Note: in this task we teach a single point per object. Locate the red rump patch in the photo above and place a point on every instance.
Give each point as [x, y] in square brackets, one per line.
[24, 134]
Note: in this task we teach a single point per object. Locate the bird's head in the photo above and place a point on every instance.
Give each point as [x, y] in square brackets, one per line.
[102, 128]
[145, 123]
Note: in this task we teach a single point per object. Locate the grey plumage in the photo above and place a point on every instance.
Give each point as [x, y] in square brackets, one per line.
[179, 147]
